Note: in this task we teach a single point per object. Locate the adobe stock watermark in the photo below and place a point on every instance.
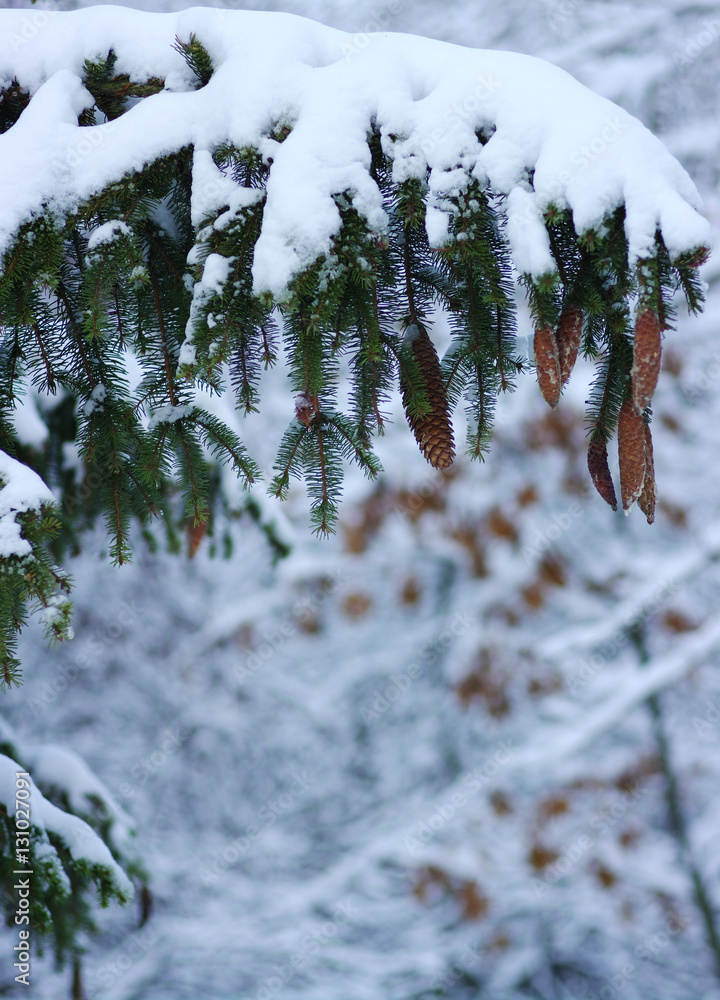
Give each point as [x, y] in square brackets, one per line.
[95, 476]
[412, 501]
[23, 827]
[560, 13]
[704, 725]
[32, 24]
[699, 43]
[90, 138]
[602, 823]
[266, 816]
[395, 686]
[303, 611]
[463, 111]
[609, 650]
[543, 539]
[470, 956]
[102, 639]
[138, 946]
[580, 159]
[358, 41]
[311, 944]
[474, 781]
[614, 986]
[167, 745]
[701, 383]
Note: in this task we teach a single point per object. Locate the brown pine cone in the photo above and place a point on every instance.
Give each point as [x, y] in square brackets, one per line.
[569, 335]
[433, 431]
[547, 362]
[195, 534]
[600, 472]
[306, 408]
[646, 500]
[647, 354]
[631, 453]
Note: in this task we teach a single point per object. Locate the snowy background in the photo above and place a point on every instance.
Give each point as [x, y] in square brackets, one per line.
[420, 756]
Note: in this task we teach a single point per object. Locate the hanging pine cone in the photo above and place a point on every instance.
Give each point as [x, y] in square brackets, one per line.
[647, 353]
[646, 500]
[433, 431]
[306, 408]
[600, 472]
[195, 534]
[547, 362]
[569, 335]
[631, 453]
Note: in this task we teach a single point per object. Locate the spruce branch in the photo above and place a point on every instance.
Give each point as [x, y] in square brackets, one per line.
[129, 278]
[197, 58]
[112, 91]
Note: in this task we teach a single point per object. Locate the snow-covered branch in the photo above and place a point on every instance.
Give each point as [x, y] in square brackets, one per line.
[524, 127]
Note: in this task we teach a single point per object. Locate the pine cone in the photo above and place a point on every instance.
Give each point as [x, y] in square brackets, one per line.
[306, 408]
[433, 431]
[600, 472]
[569, 335]
[646, 500]
[547, 362]
[647, 353]
[631, 452]
[195, 535]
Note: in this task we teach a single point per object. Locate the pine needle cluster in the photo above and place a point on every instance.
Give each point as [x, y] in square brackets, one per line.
[120, 310]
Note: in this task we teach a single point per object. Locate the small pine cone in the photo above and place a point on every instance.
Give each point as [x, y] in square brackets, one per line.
[631, 452]
[433, 431]
[195, 535]
[647, 352]
[646, 500]
[600, 472]
[569, 335]
[306, 408]
[547, 361]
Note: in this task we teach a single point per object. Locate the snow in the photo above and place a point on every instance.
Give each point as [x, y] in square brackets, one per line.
[79, 838]
[215, 273]
[641, 604]
[527, 234]
[264, 674]
[212, 190]
[427, 98]
[29, 426]
[21, 490]
[60, 768]
[107, 232]
[97, 398]
[54, 612]
[635, 690]
[170, 414]
[411, 334]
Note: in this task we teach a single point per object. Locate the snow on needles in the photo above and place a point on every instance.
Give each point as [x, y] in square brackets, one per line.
[551, 139]
[79, 838]
[21, 490]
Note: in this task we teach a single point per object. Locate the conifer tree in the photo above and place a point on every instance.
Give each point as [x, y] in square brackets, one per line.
[159, 271]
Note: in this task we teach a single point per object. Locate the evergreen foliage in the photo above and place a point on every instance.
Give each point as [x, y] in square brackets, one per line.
[127, 278]
[32, 582]
[64, 876]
